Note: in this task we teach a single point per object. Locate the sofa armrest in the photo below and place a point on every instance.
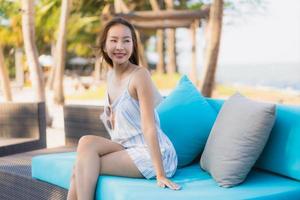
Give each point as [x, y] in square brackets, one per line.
[80, 120]
[22, 127]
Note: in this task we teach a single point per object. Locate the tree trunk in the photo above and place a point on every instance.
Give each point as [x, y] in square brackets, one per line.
[159, 42]
[50, 80]
[61, 52]
[214, 27]
[19, 67]
[4, 79]
[171, 42]
[28, 30]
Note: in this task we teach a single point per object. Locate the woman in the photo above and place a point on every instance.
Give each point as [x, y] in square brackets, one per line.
[138, 147]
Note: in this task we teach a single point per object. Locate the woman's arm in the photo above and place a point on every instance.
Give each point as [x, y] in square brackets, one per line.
[143, 86]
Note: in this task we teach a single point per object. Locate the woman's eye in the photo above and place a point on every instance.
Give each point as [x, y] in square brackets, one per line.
[113, 40]
[127, 41]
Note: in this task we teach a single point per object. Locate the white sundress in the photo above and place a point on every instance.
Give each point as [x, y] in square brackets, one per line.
[127, 131]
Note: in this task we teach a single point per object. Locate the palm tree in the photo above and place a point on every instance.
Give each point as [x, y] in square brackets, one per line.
[28, 30]
[61, 52]
[31, 52]
[4, 79]
[214, 27]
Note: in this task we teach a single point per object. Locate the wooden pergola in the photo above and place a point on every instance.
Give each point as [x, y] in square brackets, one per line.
[163, 19]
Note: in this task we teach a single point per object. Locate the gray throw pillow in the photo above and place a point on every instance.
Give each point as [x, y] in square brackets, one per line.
[237, 138]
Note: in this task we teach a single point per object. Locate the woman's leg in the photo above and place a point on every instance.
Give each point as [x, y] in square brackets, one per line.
[119, 164]
[72, 190]
[87, 166]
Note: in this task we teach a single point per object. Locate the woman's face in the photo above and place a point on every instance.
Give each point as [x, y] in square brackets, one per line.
[119, 44]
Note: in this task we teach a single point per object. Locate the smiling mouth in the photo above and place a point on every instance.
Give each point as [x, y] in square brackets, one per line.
[119, 55]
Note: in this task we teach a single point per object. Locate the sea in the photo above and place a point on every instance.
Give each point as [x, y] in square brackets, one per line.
[282, 76]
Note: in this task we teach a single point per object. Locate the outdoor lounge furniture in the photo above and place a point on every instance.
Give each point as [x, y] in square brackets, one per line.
[16, 182]
[276, 175]
[22, 127]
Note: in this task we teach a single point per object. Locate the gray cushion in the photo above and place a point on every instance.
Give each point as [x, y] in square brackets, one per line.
[237, 138]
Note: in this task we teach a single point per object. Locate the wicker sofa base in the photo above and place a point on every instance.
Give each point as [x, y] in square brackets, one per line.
[16, 181]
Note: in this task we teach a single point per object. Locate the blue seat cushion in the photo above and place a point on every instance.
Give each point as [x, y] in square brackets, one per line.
[196, 184]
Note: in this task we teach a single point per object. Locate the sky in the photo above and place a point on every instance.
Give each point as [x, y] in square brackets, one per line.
[273, 36]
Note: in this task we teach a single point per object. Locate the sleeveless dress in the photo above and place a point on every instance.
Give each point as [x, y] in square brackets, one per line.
[127, 131]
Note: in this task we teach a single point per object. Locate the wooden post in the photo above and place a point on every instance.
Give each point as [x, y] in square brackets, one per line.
[171, 44]
[160, 66]
[193, 72]
[142, 58]
[214, 26]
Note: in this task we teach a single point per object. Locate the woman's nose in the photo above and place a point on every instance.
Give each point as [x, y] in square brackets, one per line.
[119, 45]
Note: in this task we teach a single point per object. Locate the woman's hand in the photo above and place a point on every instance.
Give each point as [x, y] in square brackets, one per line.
[163, 182]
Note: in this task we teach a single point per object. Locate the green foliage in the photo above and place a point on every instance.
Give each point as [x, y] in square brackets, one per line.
[82, 33]
[11, 32]
[8, 8]
[46, 20]
[82, 30]
[84, 26]
[195, 6]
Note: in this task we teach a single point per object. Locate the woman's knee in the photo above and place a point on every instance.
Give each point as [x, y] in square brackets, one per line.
[90, 143]
[85, 143]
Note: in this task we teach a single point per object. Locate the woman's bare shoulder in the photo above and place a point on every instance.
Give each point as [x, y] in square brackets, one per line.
[142, 78]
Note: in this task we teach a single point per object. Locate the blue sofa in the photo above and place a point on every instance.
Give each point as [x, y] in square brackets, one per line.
[276, 174]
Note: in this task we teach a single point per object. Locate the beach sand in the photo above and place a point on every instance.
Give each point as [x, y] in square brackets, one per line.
[266, 94]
